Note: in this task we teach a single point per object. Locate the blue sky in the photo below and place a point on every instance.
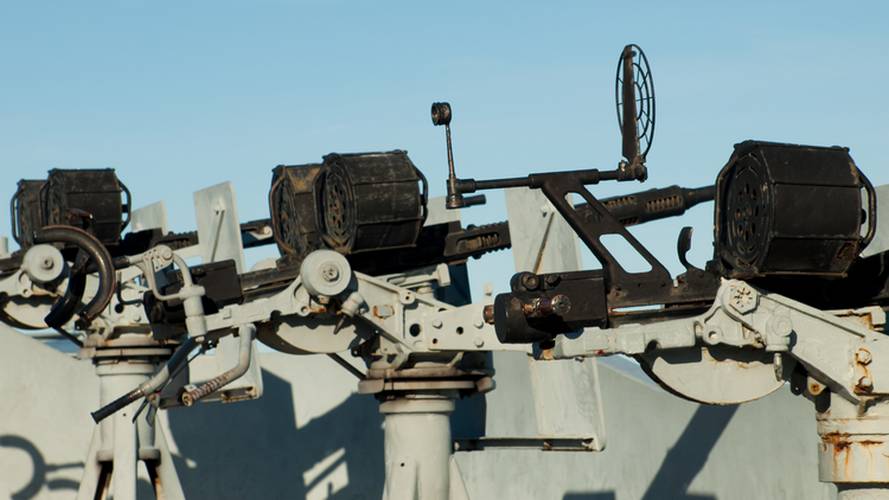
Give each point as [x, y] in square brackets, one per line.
[181, 95]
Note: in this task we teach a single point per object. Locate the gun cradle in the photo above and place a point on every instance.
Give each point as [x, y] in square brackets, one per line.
[792, 218]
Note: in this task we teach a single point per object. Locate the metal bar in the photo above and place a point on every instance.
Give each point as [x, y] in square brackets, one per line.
[348, 366]
[539, 443]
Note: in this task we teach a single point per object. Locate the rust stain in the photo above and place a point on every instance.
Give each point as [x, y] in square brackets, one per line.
[842, 445]
[865, 384]
[839, 440]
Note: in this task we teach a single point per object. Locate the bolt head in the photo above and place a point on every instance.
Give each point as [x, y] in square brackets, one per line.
[330, 273]
[530, 281]
[561, 304]
[865, 383]
[742, 298]
[863, 356]
[488, 314]
[815, 388]
[479, 342]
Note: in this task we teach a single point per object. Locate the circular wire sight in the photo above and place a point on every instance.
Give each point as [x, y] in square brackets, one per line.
[643, 92]
[441, 113]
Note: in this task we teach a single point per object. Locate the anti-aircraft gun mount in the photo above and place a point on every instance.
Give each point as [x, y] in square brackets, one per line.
[787, 296]
[360, 272]
[367, 271]
[76, 273]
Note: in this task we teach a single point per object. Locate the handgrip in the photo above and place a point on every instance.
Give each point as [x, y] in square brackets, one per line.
[478, 199]
[871, 211]
[116, 405]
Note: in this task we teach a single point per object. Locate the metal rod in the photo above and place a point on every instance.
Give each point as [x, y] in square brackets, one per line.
[159, 378]
[348, 366]
[587, 176]
[245, 351]
[452, 174]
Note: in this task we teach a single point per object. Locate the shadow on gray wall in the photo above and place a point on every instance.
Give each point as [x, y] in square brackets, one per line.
[40, 469]
[215, 441]
[683, 461]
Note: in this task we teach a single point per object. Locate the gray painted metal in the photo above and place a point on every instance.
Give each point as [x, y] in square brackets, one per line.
[311, 437]
[219, 230]
[123, 442]
[219, 238]
[845, 352]
[565, 400]
[437, 213]
[153, 216]
[417, 447]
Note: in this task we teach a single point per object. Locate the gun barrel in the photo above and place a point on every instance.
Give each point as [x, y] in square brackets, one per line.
[654, 204]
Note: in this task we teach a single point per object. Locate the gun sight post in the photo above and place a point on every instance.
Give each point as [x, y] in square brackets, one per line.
[441, 115]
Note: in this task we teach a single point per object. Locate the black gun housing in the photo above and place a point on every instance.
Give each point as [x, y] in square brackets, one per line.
[88, 199]
[787, 209]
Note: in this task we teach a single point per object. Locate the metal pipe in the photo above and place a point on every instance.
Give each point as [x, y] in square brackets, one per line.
[588, 176]
[246, 334]
[348, 366]
[100, 256]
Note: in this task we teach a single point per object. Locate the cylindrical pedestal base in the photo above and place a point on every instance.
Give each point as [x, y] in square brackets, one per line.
[862, 492]
[854, 449]
[417, 446]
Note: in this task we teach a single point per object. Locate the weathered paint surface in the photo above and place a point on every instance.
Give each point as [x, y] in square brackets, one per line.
[310, 436]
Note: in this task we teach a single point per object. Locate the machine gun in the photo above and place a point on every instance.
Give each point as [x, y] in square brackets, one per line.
[300, 204]
[789, 217]
[77, 273]
[361, 270]
[787, 296]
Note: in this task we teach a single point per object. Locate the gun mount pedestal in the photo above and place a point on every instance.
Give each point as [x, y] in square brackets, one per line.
[120, 442]
[417, 445]
[853, 491]
[854, 449]
[417, 403]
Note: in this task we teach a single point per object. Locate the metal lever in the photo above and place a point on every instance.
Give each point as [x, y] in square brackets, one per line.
[441, 115]
[155, 383]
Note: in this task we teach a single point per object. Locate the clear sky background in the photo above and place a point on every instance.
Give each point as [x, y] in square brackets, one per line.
[182, 95]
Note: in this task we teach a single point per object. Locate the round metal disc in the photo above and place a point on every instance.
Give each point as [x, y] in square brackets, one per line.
[717, 375]
[325, 272]
[43, 263]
